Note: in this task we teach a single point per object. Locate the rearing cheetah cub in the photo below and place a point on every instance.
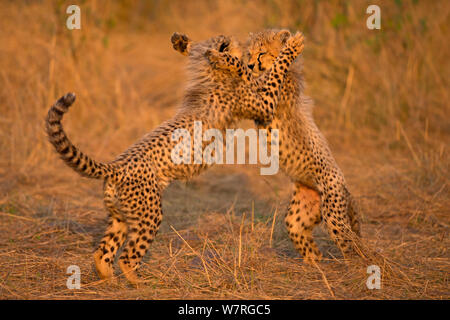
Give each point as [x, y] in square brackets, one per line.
[135, 180]
[320, 188]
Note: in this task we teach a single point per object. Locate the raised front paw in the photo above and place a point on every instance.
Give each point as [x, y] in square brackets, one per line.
[181, 43]
[220, 60]
[296, 43]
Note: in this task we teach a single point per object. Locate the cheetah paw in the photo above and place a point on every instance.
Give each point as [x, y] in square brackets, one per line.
[180, 43]
[296, 42]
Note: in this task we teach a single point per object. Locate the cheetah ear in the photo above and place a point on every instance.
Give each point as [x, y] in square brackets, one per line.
[181, 43]
[282, 36]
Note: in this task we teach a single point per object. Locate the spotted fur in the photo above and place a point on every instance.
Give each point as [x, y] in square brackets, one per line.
[320, 190]
[135, 180]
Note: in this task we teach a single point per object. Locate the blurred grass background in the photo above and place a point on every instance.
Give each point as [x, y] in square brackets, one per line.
[388, 84]
[381, 100]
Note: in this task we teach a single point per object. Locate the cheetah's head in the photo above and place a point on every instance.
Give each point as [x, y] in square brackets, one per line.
[263, 48]
[183, 44]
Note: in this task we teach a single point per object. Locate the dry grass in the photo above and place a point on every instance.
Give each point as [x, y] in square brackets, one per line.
[381, 100]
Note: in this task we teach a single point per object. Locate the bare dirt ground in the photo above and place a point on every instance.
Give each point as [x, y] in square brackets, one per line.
[381, 101]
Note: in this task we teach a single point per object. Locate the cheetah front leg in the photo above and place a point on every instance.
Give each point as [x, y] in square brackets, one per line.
[302, 216]
[225, 61]
[259, 101]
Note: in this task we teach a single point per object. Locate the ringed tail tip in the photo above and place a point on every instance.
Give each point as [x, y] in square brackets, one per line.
[67, 100]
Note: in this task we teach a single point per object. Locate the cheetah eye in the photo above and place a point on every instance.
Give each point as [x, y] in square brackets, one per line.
[224, 46]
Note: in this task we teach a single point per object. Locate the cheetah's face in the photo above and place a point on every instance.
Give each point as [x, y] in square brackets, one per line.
[263, 49]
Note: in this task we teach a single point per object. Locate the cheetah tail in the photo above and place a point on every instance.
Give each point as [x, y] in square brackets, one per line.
[73, 157]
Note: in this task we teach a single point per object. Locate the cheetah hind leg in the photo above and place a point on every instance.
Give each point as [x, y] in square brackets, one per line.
[335, 212]
[109, 245]
[353, 215]
[143, 223]
[302, 216]
[114, 237]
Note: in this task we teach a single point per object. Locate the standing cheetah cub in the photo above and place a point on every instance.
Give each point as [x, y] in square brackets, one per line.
[320, 188]
[135, 180]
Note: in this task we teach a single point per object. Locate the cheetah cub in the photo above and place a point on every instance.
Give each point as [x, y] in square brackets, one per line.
[320, 191]
[135, 180]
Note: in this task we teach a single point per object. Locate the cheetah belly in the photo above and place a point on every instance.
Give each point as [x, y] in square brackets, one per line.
[296, 159]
